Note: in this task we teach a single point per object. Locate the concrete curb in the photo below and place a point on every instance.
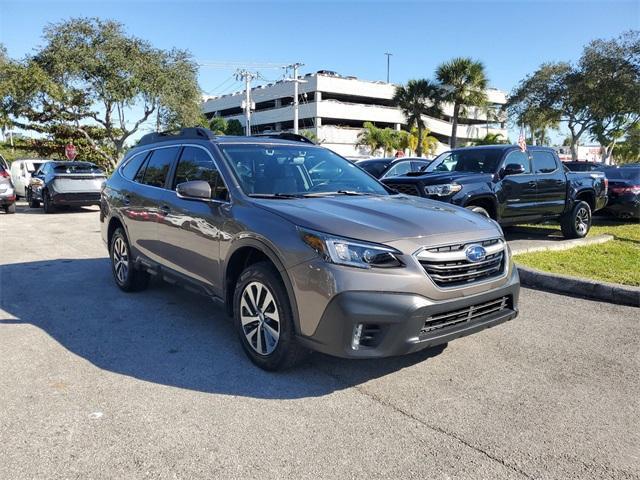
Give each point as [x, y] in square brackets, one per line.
[605, 292]
[563, 244]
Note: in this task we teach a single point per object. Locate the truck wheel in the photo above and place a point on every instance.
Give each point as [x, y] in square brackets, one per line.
[478, 209]
[263, 319]
[47, 203]
[126, 275]
[577, 222]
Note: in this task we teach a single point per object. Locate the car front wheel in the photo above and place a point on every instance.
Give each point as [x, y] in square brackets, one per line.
[263, 318]
[577, 222]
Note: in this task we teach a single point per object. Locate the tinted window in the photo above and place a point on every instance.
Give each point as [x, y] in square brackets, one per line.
[400, 168]
[374, 168]
[77, 168]
[480, 160]
[196, 164]
[132, 166]
[521, 158]
[543, 162]
[627, 173]
[155, 174]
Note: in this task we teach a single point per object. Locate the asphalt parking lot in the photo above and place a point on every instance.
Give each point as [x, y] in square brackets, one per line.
[96, 383]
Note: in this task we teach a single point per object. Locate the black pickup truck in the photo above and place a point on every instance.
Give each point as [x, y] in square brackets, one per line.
[511, 186]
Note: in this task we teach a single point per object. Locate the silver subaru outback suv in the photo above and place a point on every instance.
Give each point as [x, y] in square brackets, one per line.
[304, 249]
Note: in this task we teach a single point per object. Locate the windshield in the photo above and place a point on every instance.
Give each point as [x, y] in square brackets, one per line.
[282, 170]
[77, 168]
[481, 160]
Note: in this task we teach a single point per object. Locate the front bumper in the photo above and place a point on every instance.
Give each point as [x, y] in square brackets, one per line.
[398, 323]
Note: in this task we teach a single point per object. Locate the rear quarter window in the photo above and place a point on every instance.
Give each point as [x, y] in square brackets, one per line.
[130, 169]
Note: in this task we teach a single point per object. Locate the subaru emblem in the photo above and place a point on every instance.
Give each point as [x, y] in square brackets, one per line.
[476, 253]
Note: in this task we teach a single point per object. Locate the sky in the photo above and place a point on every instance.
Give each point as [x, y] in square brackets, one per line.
[511, 38]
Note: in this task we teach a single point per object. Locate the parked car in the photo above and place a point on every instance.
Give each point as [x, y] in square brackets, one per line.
[581, 166]
[511, 186]
[74, 184]
[624, 191]
[343, 265]
[21, 171]
[393, 167]
[7, 191]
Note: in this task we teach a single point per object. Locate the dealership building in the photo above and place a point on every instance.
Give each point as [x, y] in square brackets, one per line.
[335, 108]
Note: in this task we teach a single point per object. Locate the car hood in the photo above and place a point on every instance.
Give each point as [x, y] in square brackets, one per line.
[380, 219]
[442, 177]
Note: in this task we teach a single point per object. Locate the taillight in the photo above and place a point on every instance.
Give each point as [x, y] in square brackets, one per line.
[4, 174]
[633, 189]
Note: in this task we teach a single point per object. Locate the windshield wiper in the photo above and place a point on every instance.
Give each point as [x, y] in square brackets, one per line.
[276, 195]
[338, 192]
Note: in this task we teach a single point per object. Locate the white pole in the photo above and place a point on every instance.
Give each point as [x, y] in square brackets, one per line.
[247, 104]
[295, 98]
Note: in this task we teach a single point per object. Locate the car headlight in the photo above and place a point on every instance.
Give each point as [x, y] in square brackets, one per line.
[442, 190]
[342, 251]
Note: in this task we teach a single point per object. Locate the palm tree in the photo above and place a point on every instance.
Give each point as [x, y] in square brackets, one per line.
[371, 136]
[415, 99]
[491, 139]
[429, 143]
[464, 82]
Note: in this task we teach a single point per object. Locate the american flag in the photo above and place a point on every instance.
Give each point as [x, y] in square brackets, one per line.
[522, 143]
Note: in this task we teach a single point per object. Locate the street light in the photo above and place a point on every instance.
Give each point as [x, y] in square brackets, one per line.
[388, 58]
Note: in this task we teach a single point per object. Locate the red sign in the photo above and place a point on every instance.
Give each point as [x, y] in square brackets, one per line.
[70, 151]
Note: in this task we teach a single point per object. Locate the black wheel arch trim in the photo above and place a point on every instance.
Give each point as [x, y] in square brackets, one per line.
[261, 244]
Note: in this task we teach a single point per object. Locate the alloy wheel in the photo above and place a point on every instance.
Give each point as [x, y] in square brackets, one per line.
[120, 260]
[582, 221]
[260, 318]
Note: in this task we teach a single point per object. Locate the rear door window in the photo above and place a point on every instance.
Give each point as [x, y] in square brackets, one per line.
[158, 165]
[544, 162]
[132, 167]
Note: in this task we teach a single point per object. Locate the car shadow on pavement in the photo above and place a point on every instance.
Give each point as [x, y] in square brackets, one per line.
[23, 208]
[164, 335]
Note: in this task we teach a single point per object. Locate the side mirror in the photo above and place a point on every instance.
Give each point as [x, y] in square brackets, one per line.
[513, 169]
[195, 189]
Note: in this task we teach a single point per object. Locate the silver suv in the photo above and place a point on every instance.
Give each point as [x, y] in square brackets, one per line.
[306, 250]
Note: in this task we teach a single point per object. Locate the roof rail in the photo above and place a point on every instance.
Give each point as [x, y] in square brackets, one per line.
[197, 133]
[286, 136]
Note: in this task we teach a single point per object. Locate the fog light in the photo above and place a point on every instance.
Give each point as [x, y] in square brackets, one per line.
[355, 339]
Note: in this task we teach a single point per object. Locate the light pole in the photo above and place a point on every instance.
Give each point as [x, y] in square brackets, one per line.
[388, 59]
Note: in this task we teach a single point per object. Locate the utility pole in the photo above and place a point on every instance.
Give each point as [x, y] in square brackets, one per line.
[296, 103]
[388, 58]
[247, 77]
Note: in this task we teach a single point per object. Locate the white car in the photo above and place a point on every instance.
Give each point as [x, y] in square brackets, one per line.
[21, 171]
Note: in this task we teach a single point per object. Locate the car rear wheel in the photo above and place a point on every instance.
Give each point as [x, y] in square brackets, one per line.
[577, 222]
[263, 319]
[126, 275]
[478, 209]
[10, 208]
[47, 203]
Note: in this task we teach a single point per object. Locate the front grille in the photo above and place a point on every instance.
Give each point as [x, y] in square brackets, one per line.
[448, 266]
[406, 188]
[464, 315]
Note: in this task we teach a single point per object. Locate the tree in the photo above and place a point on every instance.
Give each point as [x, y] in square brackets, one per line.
[628, 150]
[415, 99]
[370, 136]
[90, 74]
[611, 70]
[218, 125]
[310, 135]
[429, 143]
[234, 127]
[491, 139]
[464, 83]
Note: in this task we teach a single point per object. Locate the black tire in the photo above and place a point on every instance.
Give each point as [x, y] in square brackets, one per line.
[478, 209]
[286, 352]
[126, 275]
[32, 203]
[47, 204]
[10, 208]
[577, 222]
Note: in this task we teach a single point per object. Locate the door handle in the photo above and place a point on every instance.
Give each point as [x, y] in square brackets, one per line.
[532, 184]
[164, 209]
